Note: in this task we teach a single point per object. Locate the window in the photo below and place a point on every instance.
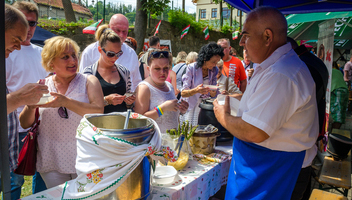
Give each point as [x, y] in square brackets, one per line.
[238, 13]
[226, 13]
[203, 13]
[214, 12]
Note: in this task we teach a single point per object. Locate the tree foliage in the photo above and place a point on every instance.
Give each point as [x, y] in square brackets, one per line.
[180, 20]
[111, 9]
[155, 7]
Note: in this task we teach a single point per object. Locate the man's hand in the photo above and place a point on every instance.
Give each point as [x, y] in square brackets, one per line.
[29, 94]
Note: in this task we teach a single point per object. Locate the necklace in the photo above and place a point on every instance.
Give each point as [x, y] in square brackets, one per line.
[158, 86]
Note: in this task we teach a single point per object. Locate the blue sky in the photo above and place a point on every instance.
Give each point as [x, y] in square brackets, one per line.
[190, 7]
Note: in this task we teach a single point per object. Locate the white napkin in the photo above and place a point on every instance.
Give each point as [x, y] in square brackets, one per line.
[103, 163]
[234, 103]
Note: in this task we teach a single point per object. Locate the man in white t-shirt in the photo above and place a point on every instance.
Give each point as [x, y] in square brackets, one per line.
[23, 67]
[129, 58]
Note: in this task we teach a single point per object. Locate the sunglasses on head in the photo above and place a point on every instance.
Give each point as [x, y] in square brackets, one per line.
[111, 54]
[32, 23]
[63, 112]
[159, 54]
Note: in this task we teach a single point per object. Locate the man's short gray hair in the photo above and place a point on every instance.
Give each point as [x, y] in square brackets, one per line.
[12, 16]
[27, 7]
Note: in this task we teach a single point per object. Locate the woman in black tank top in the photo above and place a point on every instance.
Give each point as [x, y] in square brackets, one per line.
[114, 79]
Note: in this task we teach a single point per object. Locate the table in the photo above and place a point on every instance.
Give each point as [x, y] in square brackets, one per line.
[337, 174]
[195, 181]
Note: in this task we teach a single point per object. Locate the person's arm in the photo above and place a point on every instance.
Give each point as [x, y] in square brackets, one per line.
[95, 96]
[29, 94]
[27, 116]
[134, 72]
[143, 100]
[243, 86]
[173, 81]
[236, 126]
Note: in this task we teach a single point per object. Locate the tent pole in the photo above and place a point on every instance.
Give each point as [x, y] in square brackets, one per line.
[4, 149]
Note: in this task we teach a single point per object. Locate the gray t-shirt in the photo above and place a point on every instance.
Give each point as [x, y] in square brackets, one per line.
[178, 69]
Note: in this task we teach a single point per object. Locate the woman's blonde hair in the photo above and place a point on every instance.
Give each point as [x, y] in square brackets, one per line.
[54, 47]
[104, 34]
[100, 30]
[191, 57]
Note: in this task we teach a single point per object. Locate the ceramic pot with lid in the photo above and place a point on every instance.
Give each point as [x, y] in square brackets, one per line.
[203, 142]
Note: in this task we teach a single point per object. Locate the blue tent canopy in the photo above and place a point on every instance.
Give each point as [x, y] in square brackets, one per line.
[40, 35]
[294, 6]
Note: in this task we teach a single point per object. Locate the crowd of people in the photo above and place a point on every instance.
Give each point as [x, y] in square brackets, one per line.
[275, 87]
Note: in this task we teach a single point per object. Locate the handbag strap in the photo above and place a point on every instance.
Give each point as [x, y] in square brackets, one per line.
[37, 115]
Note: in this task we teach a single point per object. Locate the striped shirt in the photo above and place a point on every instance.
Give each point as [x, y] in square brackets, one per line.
[12, 132]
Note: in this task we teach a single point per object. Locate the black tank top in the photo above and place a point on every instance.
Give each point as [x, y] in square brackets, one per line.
[108, 88]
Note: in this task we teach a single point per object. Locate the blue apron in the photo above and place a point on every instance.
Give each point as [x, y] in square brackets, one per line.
[257, 172]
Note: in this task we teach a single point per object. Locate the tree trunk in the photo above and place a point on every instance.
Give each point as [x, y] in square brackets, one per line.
[69, 14]
[183, 6]
[221, 16]
[140, 26]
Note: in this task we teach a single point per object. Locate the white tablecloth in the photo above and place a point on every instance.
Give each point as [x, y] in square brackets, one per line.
[195, 181]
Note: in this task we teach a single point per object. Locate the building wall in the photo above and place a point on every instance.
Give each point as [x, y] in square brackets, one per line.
[58, 13]
[208, 5]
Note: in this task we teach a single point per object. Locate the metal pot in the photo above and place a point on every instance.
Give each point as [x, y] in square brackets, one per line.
[203, 142]
[140, 131]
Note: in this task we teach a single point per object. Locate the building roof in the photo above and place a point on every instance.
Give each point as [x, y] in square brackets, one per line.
[58, 4]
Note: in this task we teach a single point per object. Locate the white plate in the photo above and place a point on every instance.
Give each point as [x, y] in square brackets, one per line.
[211, 87]
[164, 174]
[46, 98]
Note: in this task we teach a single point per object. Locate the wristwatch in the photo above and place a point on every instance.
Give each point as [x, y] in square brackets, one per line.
[106, 103]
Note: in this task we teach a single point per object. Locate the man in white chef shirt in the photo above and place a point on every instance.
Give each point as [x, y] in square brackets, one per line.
[129, 59]
[277, 120]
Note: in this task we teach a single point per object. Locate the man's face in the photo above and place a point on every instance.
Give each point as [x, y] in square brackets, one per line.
[120, 28]
[14, 37]
[253, 41]
[31, 18]
[226, 47]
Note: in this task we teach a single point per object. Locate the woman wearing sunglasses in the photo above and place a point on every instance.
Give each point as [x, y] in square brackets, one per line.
[114, 79]
[74, 96]
[155, 96]
[202, 72]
